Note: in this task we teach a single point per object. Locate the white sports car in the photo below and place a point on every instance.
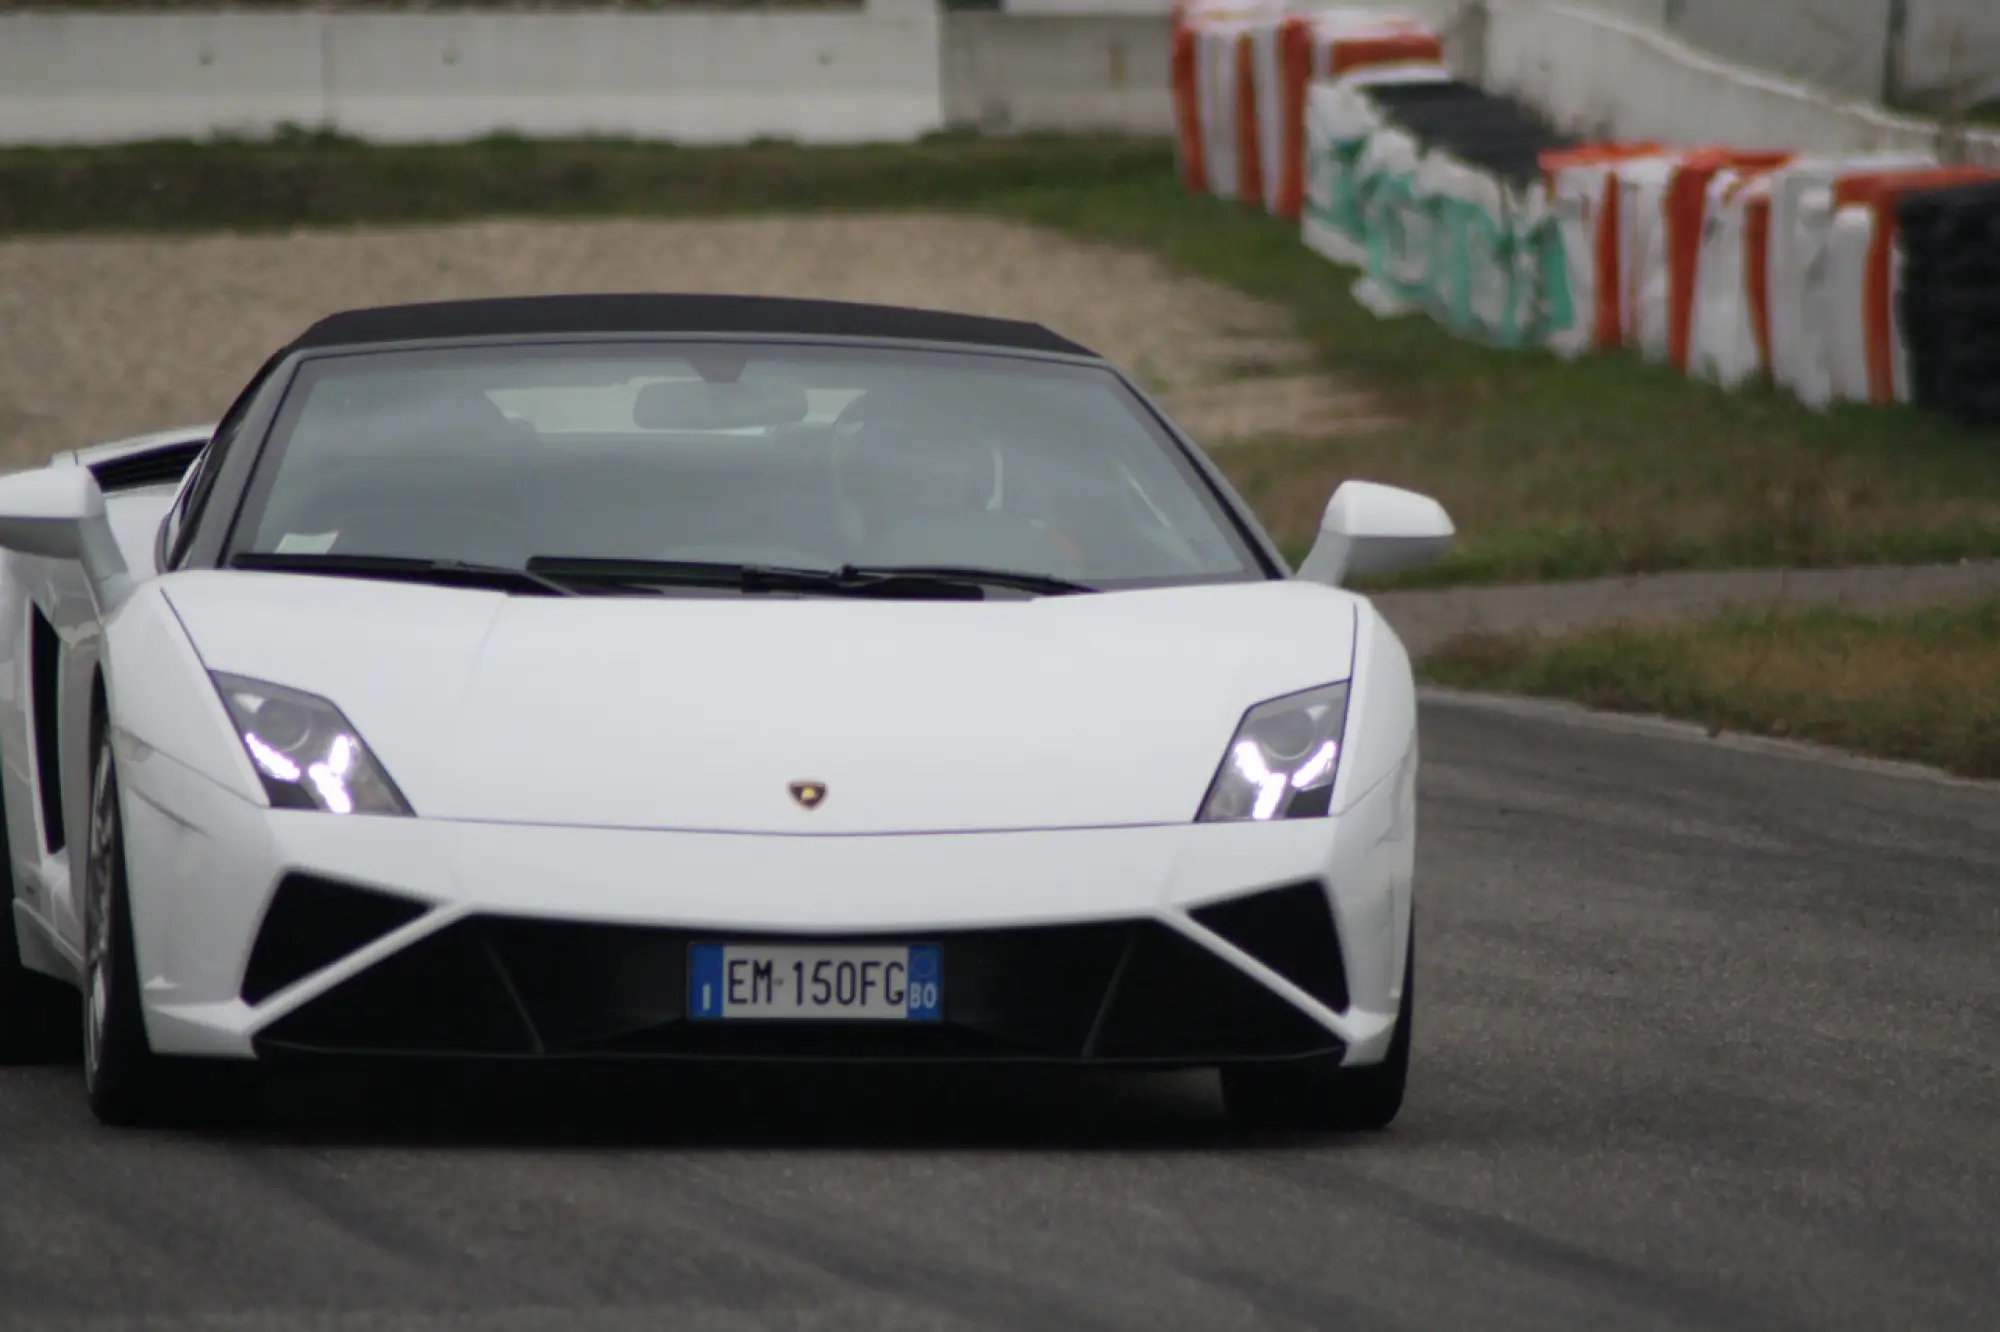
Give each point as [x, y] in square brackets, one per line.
[700, 679]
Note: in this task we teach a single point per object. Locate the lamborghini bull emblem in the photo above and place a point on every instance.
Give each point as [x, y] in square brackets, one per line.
[808, 794]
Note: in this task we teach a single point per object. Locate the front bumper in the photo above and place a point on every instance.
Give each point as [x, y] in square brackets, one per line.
[495, 940]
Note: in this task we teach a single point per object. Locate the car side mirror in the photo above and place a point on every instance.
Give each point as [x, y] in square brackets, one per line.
[1372, 529]
[58, 513]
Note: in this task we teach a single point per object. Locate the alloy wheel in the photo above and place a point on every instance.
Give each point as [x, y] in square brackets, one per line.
[100, 904]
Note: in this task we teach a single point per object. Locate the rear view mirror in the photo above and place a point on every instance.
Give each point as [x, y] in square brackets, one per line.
[699, 404]
[58, 513]
[1372, 529]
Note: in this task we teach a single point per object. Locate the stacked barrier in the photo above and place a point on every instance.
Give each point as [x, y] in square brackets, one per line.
[1241, 69]
[1435, 190]
[1950, 299]
[1325, 44]
[1740, 267]
[1868, 278]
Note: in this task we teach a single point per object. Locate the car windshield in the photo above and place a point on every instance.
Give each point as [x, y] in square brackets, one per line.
[799, 456]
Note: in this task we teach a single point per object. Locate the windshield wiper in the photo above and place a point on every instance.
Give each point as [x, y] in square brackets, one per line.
[406, 569]
[1047, 585]
[747, 578]
[940, 583]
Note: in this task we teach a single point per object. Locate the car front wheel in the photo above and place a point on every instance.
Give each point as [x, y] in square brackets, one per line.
[126, 1083]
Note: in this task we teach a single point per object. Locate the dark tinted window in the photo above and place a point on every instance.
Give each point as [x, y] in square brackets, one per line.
[181, 519]
[794, 455]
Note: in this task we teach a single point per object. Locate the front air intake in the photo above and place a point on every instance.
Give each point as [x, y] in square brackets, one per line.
[1291, 931]
[313, 923]
[1123, 991]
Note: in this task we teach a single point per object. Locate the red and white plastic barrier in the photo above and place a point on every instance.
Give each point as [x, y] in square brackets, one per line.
[1865, 208]
[1739, 266]
[1193, 64]
[1800, 218]
[1729, 334]
[1241, 70]
[1731, 265]
[1586, 195]
[1322, 44]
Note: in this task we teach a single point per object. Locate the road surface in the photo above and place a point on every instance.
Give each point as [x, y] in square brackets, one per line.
[1708, 1039]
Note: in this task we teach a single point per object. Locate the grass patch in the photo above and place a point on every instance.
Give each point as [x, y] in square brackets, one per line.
[1551, 469]
[1922, 686]
[309, 178]
[1557, 469]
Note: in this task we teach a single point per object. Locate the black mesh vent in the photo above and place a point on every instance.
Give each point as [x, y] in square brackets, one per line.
[1400, 95]
[313, 923]
[441, 995]
[44, 671]
[1133, 991]
[1175, 999]
[589, 985]
[155, 467]
[1291, 931]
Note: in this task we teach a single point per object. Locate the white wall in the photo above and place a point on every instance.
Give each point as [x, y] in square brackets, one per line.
[1159, 9]
[883, 70]
[1836, 45]
[870, 73]
[1841, 46]
[1950, 44]
[1598, 75]
[1076, 72]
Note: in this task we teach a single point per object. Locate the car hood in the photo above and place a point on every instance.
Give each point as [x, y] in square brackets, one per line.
[700, 712]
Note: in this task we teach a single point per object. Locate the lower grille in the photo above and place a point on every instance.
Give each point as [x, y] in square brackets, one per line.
[1124, 992]
[313, 923]
[1291, 931]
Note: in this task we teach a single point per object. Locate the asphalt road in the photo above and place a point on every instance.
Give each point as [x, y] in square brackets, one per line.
[1708, 1039]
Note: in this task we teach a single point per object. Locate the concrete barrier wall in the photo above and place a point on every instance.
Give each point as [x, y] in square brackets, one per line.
[842, 75]
[882, 70]
[1602, 76]
[1075, 65]
[1077, 72]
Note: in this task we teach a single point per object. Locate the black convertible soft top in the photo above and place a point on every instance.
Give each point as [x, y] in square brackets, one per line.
[530, 316]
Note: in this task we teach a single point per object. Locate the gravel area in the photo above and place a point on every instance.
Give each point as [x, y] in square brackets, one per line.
[101, 338]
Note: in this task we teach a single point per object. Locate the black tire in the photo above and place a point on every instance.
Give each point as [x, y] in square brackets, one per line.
[1321, 1095]
[37, 1012]
[126, 1083]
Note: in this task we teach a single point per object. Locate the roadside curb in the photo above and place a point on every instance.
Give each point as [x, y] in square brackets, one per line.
[1424, 618]
[1562, 713]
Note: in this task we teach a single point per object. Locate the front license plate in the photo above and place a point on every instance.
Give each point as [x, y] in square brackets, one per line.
[901, 983]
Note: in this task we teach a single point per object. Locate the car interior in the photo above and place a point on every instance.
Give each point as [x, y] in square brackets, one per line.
[889, 480]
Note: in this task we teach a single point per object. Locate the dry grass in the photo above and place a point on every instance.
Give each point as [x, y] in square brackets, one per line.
[1558, 469]
[1631, 500]
[1924, 686]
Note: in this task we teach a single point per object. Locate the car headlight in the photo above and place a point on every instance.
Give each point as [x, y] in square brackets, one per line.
[1282, 761]
[305, 751]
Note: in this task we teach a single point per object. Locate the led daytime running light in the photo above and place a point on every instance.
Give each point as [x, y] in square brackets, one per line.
[308, 756]
[1282, 761]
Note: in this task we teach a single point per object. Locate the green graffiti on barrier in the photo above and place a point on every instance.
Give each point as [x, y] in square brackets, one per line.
[1501, 277]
